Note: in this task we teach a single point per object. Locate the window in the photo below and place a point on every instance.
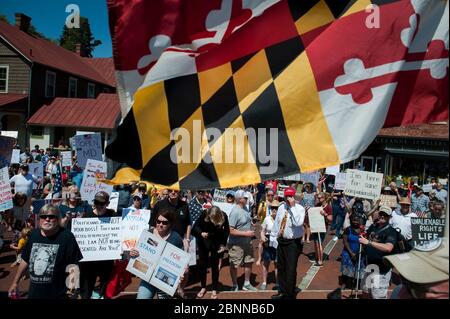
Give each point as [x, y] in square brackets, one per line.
[91, 90]
[37, 131]
[4, 70]
[50, 81]
[72, 87]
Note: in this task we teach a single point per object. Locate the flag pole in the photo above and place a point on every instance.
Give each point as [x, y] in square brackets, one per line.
[358, 271]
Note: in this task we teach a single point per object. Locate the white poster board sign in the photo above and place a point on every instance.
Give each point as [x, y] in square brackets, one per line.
[363, 184]
[443, 181]
[66, 158]
[90, 186]
[150, 248]
[134, 221]
[427, 188]
[339, 182]
[88, 146]
[280, 190]
[15, 157]
[98, 238]
[5, 190]
[316, 220]
[170, 268]
[312, 177]
[219, 200]
[332, 170]
[293, 177]
[388, 200]
[36, 169]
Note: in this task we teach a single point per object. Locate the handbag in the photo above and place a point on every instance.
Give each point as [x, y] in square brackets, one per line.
[119, 280]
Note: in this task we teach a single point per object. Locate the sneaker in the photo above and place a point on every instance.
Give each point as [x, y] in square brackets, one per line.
[263, 286]
[249, 287]
[95, 295]
[335, 238]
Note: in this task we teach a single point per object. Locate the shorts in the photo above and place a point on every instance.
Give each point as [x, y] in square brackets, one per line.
[316, 238]
[269, 254]
[376, 285]
[239, 255]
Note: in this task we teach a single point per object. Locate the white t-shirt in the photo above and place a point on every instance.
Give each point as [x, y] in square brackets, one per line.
[23, 184]
[402, 222]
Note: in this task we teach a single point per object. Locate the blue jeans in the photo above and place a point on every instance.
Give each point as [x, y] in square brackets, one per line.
[148, 291]
[339, 224]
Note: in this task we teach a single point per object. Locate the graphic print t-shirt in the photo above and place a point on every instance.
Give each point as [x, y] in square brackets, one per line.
[47, 259]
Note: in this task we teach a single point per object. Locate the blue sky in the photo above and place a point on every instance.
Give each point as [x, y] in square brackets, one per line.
[49, 16]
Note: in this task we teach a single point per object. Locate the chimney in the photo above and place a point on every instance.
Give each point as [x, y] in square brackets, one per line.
[22, 22]
[79, 50]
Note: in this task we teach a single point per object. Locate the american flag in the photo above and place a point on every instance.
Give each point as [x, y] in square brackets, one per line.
[58, 182]
[421, 214]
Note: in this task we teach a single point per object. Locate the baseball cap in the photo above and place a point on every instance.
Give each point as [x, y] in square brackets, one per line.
[230, 193]
[385, 209]
[290, 191]
[405, 200]
[137, 196]
[102, 197]
[241, 194]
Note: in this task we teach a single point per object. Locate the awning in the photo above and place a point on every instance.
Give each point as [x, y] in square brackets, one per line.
[100, 113]
[8, 98]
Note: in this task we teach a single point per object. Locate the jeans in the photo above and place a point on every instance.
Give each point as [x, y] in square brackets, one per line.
[148, 291]
[339, 224]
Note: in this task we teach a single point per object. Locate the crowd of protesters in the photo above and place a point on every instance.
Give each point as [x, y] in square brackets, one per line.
[369, 232]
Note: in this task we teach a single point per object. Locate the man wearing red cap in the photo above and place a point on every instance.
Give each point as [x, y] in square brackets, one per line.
[288, 228]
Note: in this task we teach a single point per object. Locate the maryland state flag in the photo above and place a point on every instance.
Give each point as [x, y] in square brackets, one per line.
[220, 93]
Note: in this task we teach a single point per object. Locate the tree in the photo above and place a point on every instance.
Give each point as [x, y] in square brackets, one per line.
[3, 18]
[31, 30]
[83, 35]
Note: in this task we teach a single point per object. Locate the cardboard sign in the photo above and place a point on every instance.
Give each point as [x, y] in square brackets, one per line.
[90, 186]
[363, 184]
[332, 170]
[316, 220]
[159, 262]
[280, 190]
[88, 146]
[388, 200]
[219, 200]
[15, 157]
[339, 182]
[5, 190]
[6, 148]
[66, 158]
[150, 248]
[98, 238]
[134, 221]
[312, 177]
[426, 229]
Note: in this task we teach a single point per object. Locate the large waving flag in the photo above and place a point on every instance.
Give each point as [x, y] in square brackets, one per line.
[309, 83]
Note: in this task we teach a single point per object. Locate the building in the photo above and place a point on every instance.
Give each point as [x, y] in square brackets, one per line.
[53, 91]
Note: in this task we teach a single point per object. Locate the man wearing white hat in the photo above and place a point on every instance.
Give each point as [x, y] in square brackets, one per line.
[423, 270]
[401, 218]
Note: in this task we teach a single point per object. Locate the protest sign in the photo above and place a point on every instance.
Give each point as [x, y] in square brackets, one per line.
[113, 201]
[98, 238]
[388, 200]
[5, 190]
[280, 190]
[332, 170]
[316, 220]
[443, 181]
[170, 268]
[88, 146]
[363, 184]
[90, 186]
[339, 182]
[36, 169]
[13, 134]
[150, 248]
[6, 148]
[427, 188]
[134, 221]
[15, 157]
[426, 229]
[312, 177]
[219, 200]
[293, 177]
[66, 158]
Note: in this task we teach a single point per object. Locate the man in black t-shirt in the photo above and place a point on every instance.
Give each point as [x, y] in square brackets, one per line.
[47, 255]
[381, 240]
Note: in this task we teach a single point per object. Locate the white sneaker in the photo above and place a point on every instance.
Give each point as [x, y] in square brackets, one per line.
[335, 238]
[249, 287]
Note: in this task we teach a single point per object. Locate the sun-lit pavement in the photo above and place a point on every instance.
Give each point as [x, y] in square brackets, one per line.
[315, 283]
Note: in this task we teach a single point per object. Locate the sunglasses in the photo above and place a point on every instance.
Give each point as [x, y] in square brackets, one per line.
[382, 215]
[51, 217]
[164, 222]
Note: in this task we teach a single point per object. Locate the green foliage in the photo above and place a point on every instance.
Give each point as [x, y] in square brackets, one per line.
[82, 35]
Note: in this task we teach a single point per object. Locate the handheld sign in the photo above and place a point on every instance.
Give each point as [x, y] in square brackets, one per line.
[15, 157]
[363, 184]
[88, 146]
[134, 221]
[388, 200]
[66, 158]
[426, 229]
[219, 200]
[98, 238]
[312, 177]
[339, 182]
[316, 220]
[427, 188]
[5, 190]
[332, 170]
[6, 149]
[280, 190]
[90, 186]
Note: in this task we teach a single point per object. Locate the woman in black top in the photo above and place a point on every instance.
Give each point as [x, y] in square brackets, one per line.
[211, 230]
